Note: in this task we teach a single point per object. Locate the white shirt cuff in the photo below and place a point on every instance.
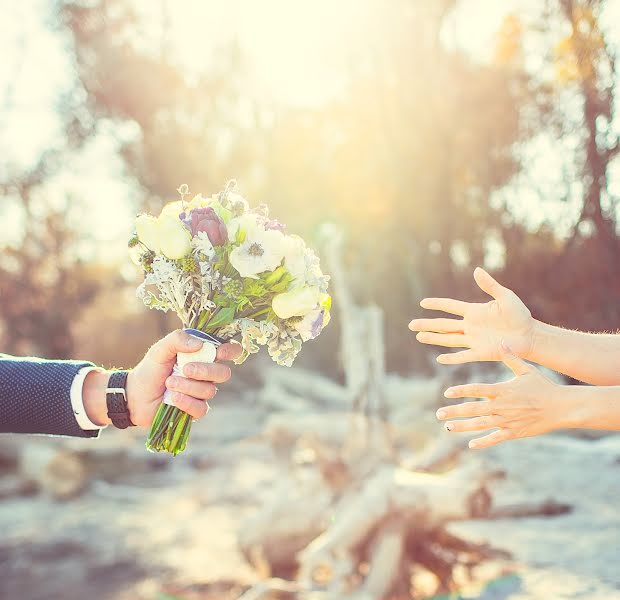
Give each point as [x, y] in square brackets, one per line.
[77, 402]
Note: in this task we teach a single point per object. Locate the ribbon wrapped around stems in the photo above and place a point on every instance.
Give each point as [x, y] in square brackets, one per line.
[206, 354]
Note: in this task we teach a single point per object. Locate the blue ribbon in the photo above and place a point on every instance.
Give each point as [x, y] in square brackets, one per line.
[201, 335]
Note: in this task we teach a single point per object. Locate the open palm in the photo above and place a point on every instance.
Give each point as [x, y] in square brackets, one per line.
[483, 326]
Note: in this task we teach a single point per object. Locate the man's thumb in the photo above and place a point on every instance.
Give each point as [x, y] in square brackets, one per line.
[165, 350]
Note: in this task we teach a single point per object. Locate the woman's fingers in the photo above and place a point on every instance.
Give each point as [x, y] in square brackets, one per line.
[517, 365]
[473, 390]
[458, 358]
[478, 408]
[497, 437]
[203, 390]
[489, 285]
[474, 424]
[437, 325]
[455, 307]
[448, 340]
[193, 407]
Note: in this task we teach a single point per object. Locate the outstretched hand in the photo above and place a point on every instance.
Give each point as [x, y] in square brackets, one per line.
[483, 326]
[528, 405]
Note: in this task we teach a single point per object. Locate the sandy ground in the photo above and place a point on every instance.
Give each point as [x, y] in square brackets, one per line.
[175, 527]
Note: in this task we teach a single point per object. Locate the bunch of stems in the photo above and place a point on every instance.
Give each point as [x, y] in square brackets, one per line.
[170, 430]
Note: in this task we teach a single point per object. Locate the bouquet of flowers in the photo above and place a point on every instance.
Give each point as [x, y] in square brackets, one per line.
[227, 271]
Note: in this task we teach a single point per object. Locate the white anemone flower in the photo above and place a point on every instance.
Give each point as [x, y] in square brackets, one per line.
[261, 251]
[247, 224]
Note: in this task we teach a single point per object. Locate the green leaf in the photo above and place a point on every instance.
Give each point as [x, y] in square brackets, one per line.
[254, 288]
[282, 285]
[203, 319]
[273, 277]
[224, 316]
[242, 303]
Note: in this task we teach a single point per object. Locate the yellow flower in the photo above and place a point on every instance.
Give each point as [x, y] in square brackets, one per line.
[147, 228]
[172, 209]
[297, 302]
[174, 238]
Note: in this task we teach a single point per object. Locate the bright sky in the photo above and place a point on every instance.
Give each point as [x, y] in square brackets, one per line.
[288, 43]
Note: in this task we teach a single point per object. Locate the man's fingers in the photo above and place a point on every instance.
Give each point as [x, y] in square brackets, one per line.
[449, 340]
[193, 407]
[474, 424]
[458, 358]
[473, 390]
[455, 307]
[487, 284]
[437, 325]
[229, 351]
[517, 365]
[466, 409]
[165, 350]
[203, 390]
[215, 372]
[497, 437]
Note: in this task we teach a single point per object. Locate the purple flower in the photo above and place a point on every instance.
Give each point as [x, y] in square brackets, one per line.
[207, 220]
[186, 219]
[317, 326]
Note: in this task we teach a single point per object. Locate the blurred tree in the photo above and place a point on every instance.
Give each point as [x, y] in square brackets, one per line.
[200, 131]
[577, 281]
[44, 284]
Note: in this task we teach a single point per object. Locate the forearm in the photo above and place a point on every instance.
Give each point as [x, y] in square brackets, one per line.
[590, 357]
[591, 407]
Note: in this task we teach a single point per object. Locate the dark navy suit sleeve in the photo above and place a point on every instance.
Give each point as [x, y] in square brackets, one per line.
[35, 396]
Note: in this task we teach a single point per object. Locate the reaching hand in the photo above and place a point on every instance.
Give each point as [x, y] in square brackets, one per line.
[528, 405]
[483, 326]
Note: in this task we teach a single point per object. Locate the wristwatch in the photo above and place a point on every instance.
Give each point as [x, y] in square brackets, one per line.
[116, 400]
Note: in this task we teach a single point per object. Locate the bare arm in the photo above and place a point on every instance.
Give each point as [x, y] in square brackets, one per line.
[592, 358]
[529, 405]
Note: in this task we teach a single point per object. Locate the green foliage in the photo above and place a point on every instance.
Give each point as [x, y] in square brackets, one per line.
[254, 288]
[223, 316]
[233, 289]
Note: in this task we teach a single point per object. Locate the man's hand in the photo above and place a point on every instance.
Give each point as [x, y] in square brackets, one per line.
[483, 326]
[148, 381]
[528, 405]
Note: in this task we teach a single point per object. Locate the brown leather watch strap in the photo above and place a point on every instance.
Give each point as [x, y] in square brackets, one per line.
[116, 400]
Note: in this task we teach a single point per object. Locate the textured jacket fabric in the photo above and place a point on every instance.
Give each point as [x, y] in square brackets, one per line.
[35, 396]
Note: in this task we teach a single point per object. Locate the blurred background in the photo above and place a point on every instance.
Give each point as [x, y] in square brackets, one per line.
[433, 137]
